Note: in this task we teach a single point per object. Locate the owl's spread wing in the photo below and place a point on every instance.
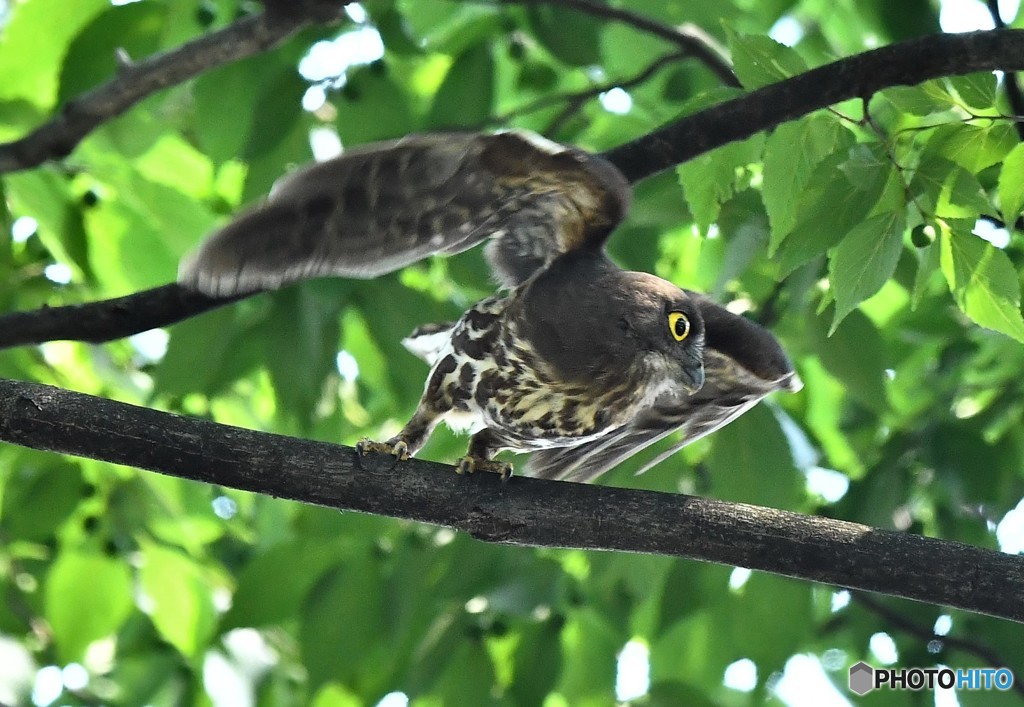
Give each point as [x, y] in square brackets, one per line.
[742, 364]
[380, 207]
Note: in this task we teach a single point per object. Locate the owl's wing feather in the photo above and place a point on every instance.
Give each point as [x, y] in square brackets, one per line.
[742, 364]
[381, 207]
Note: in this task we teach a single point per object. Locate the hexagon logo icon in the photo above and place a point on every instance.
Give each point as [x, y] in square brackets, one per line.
[861, 678]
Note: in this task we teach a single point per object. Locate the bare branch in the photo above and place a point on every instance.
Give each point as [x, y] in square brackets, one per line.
[520, 512]
[80, 116]
[691, 39]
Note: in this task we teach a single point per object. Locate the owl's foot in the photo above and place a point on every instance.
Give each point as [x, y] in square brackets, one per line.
[395, 447]
[470, 464]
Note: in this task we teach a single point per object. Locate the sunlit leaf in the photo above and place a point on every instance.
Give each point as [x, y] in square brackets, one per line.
[178, 598]
[760, 61]
[983, 282]
[1011, 185]
[864, 260]
[88, 597]
[791, 153]
[709, 180]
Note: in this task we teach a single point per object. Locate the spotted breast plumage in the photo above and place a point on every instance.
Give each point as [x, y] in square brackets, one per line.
[575, 359]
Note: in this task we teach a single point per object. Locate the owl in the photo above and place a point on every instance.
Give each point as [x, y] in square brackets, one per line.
[575, 360]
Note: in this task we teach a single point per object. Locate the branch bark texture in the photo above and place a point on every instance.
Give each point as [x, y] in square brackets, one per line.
[522, 511]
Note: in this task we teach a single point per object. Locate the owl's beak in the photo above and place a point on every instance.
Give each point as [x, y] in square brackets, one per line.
[692, 375]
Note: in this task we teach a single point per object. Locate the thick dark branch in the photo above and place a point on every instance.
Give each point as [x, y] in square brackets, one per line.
[107, 320]
[80, 116]
[691, 39]
[521, 512]
[858, 76]
[1013, 92]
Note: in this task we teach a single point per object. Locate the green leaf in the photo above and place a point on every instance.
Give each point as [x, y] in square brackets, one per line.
[983, 282]
[272, 586]
[178, 599]
[579, 47]
[37, 500]
[46, 196]
[751, 462]
[864, 260]
[302, 334]
[1011, 185]
[760, 60]
[88, 597]
[225, 105]
[855, 354]
[33, 42]
[91, 57]
[591, 644]
[537, 664]
[276, 110]
[791, 153]
[466, 95]
[373, 106]
[344, 615]
[204, 354]
[831, 205]
[927, 267]
[710, 179]
[926, 99]
[977, 90]
[973, 147]
[780, 607]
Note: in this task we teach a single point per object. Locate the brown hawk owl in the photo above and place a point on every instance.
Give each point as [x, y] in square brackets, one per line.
[576, 360]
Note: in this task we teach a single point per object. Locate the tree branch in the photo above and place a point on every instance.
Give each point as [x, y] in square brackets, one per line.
[107, 320]
[80, 116]
[1012, 87]
[691, 39]
[523, 511]
[858, 76]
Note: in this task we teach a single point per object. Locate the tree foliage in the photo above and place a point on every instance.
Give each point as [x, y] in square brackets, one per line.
[880, 238]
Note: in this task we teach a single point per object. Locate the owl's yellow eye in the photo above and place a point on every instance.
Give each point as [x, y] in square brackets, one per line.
[679, 325]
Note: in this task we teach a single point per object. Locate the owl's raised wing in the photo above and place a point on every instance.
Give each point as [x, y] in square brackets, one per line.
[743, 363]
[380, 207]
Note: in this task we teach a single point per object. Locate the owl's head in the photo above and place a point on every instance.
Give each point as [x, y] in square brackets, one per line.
[598, 324]
[666, 328]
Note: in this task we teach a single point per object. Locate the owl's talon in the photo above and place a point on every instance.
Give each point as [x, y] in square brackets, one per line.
[470, 464]
[395, 447]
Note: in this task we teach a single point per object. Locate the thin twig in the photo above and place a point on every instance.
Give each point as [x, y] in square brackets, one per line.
[690, 38]
[578, 98]
[78, 117]
[1013, 91]
[965, 645]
